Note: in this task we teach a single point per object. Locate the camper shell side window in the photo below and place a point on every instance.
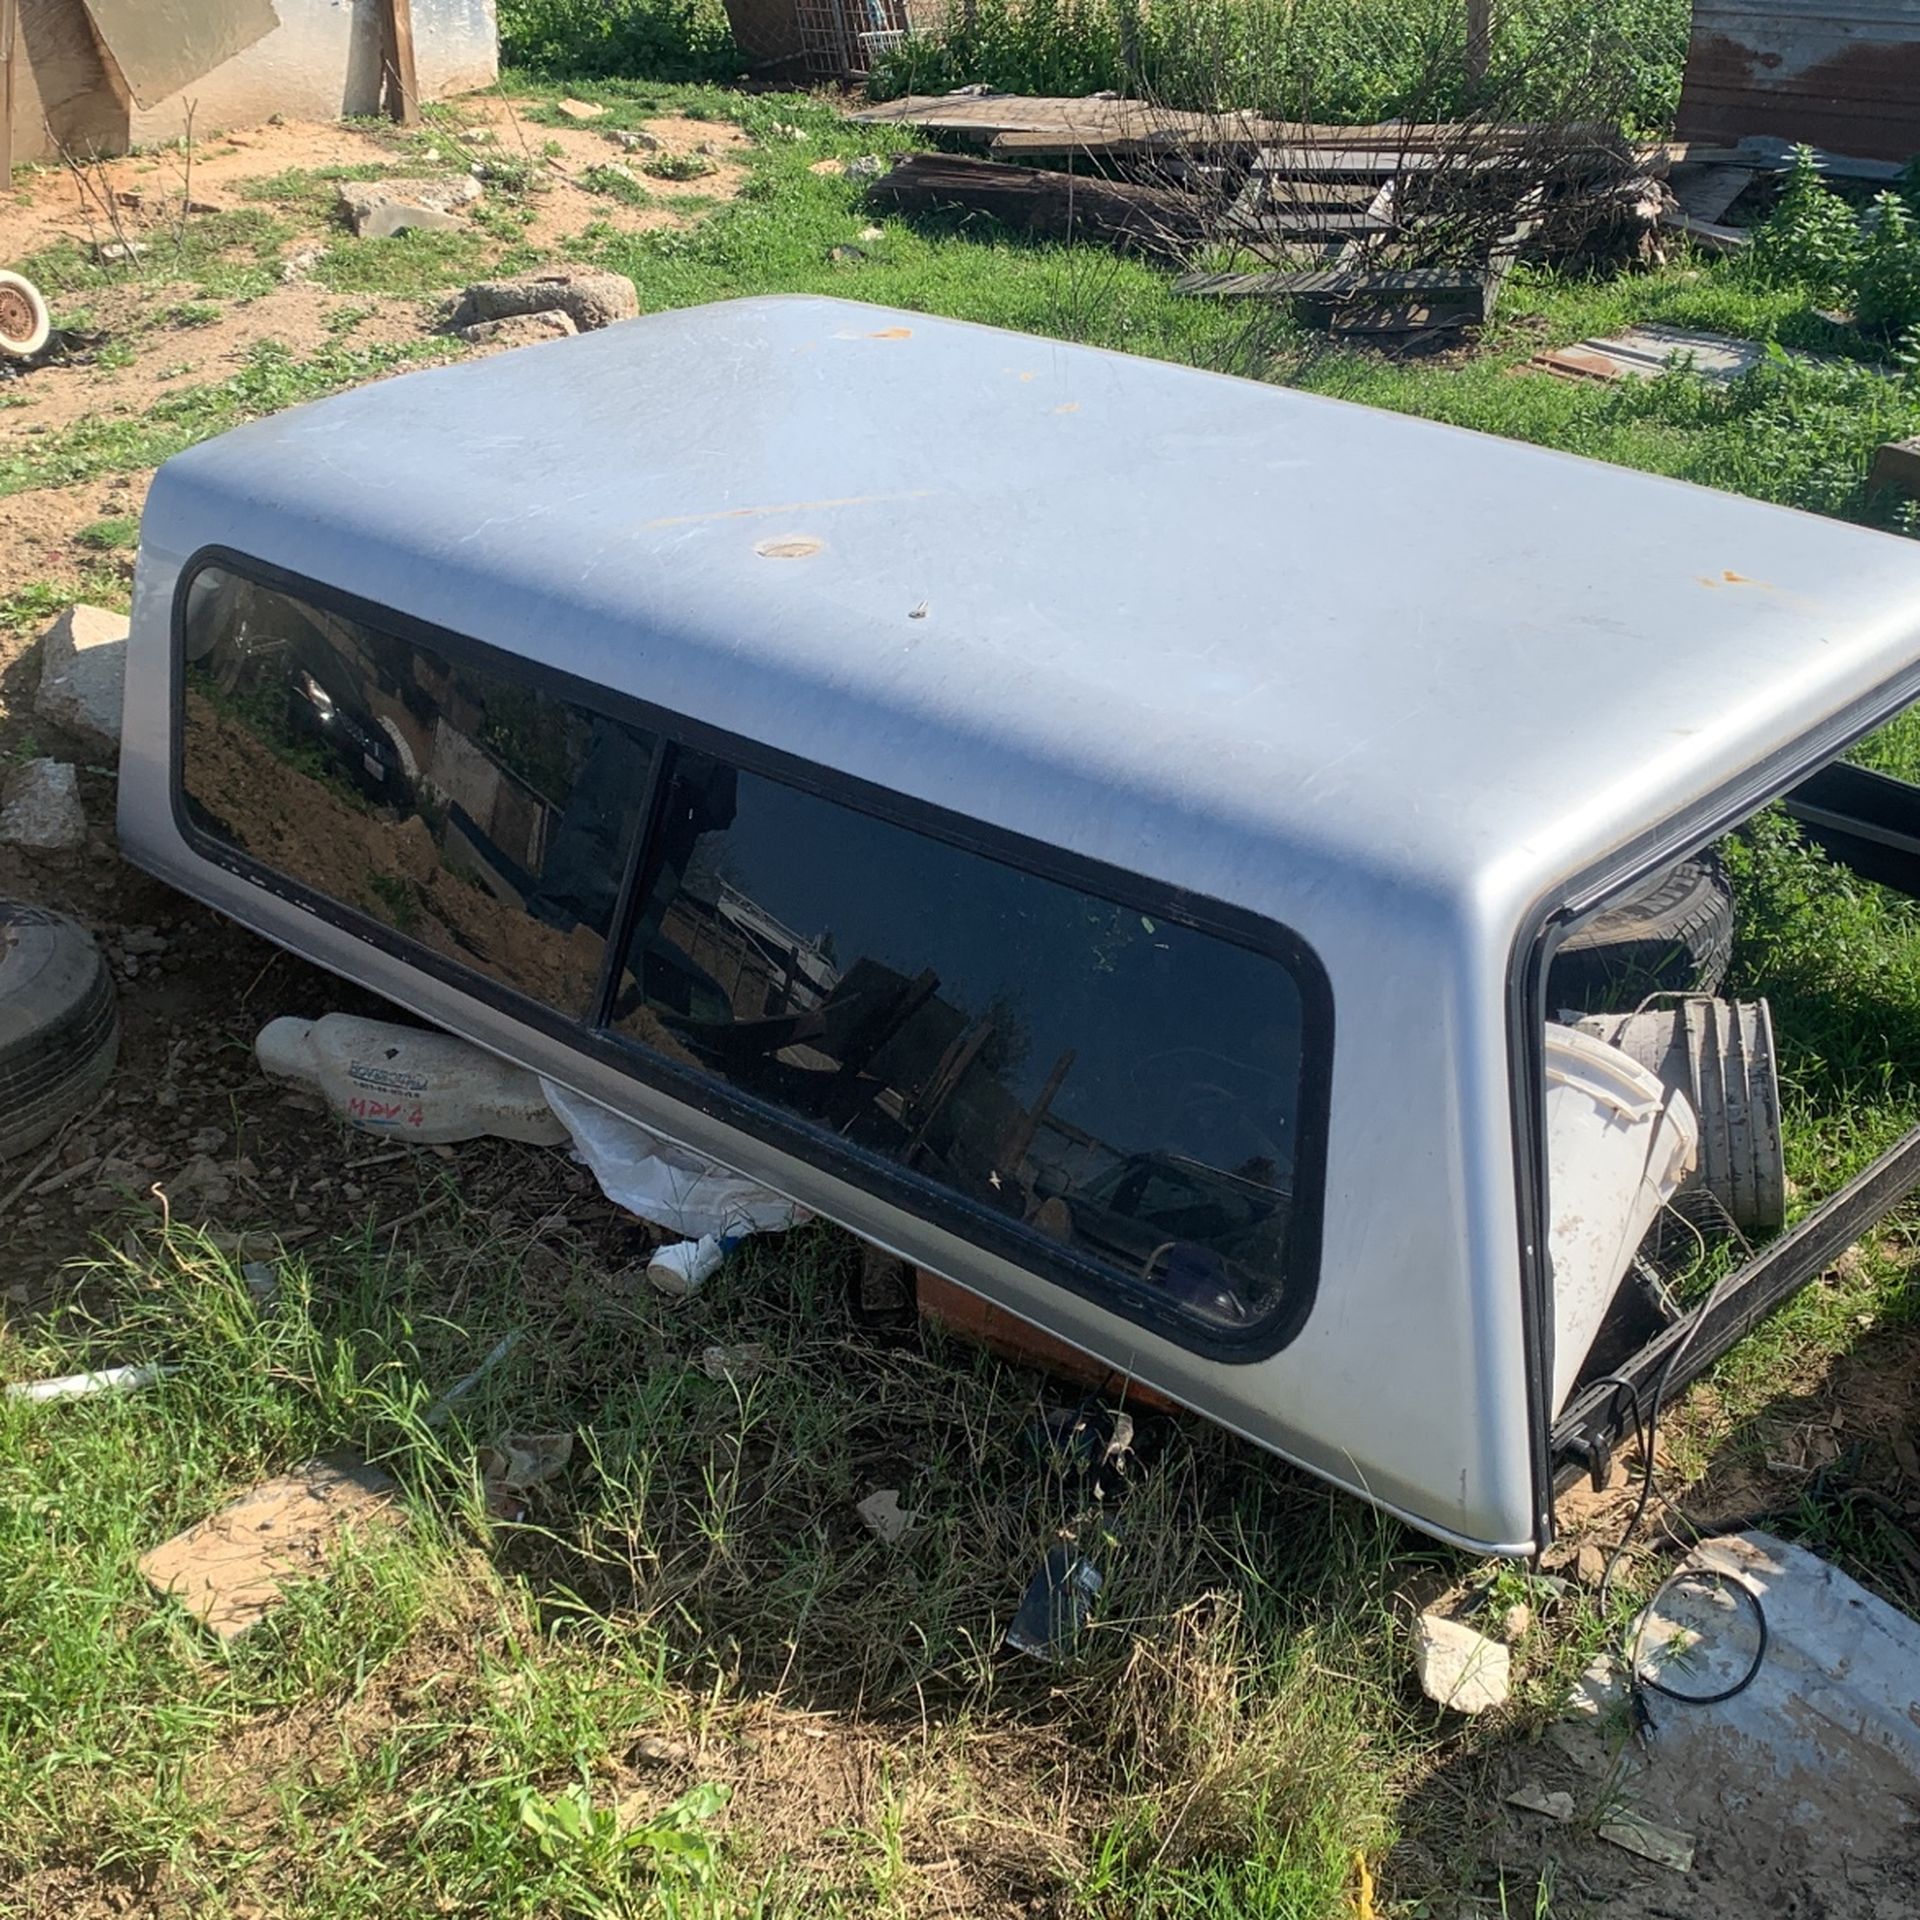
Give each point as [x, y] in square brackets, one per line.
[1115, 1085]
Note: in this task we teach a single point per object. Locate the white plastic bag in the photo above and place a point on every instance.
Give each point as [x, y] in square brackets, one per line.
[672, 1186]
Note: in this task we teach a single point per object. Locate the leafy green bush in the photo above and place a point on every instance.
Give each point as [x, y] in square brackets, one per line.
[1799, 432]
[1341, 60]
[635, 39]
[1813, 239]
[1888, 297]
[1810, 239]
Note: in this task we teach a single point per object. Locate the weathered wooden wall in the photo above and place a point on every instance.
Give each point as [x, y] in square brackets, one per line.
[1839, 74]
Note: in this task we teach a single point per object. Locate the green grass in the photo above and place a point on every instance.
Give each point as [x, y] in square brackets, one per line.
[33, 605]
[272, 378]
[118, 533]
[227, 255]
[463, 1709]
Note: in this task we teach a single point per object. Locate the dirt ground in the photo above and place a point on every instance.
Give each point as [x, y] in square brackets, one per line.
[164, 336]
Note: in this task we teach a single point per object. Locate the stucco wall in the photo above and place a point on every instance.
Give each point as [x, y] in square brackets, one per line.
[321, 62]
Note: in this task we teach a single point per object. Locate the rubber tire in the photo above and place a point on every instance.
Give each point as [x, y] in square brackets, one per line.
[59, 1026]
[24, 346]
[1673, 936]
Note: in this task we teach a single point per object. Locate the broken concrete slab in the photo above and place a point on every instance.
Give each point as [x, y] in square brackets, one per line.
[1665, 1846]
[1803, 1783]
[589, 296]
[1535, 1798]
[230, 1570]
[378, 209]
[1460, 1668]
[40, 807]
[579, 109]
[1642, 353]
[83, 670]
[519, 330]
[883, 1513]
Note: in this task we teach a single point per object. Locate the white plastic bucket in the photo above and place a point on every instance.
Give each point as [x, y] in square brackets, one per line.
[1619, 1145]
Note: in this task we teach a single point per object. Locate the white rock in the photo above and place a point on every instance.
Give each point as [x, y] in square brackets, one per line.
[884, 1515]
[83, 669]
[1460, 1668]
[40, 807]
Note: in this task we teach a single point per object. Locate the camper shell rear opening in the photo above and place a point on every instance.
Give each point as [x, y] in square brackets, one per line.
[1102, 831]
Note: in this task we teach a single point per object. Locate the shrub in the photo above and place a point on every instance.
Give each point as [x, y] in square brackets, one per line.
[1888, 299]
[1811, 239]
[636, 39]
[1339, 60]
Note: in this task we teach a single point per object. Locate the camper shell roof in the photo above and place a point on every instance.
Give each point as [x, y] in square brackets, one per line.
[1078, 594]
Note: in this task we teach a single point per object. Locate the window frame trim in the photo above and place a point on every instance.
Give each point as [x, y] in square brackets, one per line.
[1003, 1236]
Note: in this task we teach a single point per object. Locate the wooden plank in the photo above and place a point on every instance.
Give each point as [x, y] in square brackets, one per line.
[1356, 300]
[1767, 155]
[1479, 40]
[1308, 223]
[403, 85]
[1706, 192]
[1381, 163]
[1716, 239]
[1897, 465]
[1031, 123]
[1337, 283]
[9, 41]
[1057, 206]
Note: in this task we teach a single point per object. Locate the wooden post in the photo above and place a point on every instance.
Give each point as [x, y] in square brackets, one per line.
[1479, 41]
[403, 88]
[9, 39]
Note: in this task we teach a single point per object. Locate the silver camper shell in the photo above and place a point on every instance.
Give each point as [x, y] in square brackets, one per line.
[1390, 703]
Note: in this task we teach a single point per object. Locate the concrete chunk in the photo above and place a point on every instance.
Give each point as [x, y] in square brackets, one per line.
[377, 210]
[40, 807]
[83, 666]
[587, 296]
[519, 330]
[1460, 1668]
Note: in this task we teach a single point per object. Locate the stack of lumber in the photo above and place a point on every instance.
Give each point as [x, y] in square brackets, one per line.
[1386, 228]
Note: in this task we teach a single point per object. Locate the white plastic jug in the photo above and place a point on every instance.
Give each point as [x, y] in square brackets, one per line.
[1619, 1146]
[407, 1082]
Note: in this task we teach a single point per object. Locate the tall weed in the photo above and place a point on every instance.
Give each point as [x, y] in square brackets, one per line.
[1340, 60]
[636, 39]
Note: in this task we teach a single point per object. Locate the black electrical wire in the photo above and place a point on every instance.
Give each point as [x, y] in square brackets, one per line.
[1646, 1421]
[1731, 1583]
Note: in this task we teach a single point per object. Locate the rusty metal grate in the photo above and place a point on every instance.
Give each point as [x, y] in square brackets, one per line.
[843, 38]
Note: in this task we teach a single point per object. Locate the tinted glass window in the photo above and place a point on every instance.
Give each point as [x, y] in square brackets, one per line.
[482, 819]
[1117, 1082]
